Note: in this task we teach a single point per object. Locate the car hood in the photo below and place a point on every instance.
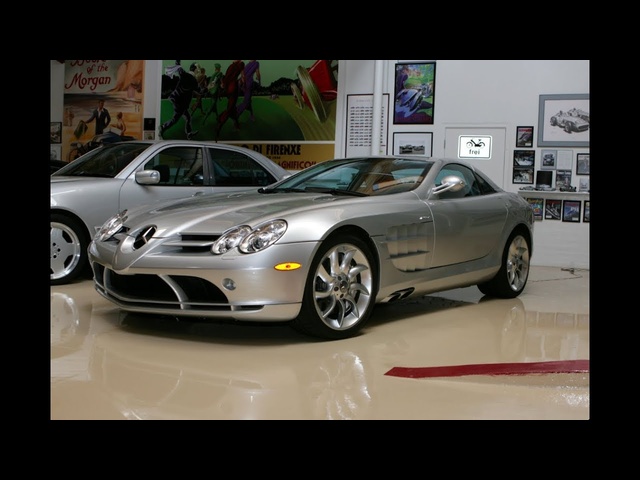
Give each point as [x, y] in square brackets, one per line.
[219, 212]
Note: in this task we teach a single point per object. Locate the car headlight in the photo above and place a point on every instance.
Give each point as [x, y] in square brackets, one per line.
[248, 240]
[111, 227]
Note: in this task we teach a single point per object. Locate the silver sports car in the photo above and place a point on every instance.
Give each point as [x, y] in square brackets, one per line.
[108, 179]
[320, 248]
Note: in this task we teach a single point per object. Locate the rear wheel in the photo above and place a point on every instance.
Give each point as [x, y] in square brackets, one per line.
[340, 290]
[514, 271]
[68, 249]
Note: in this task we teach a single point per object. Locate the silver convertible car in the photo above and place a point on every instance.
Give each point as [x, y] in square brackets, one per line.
[320, 248]
[104, 181]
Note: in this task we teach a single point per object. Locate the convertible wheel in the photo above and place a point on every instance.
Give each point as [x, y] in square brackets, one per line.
[514, 272]
[68, 249]
[341, 288]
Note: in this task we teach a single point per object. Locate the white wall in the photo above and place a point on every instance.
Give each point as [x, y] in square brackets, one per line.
[467, 92]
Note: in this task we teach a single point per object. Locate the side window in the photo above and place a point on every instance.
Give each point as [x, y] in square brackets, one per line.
[471, 189]
[178, 166]
[235, 169]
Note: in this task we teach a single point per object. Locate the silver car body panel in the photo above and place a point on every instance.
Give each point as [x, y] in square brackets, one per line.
[422, 243]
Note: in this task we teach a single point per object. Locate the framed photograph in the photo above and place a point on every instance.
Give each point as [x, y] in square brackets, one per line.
[523, 175]
[360, 124]
[563, 120]
[414, 93]
[582, 164]
[524, 158]
[585, 215]
[56, 152]
[552, 209]
[571, 210]
[537, 204]
[56, 132]
[412, 143]
[549, 158]
[583, 184]
[563, 179]
[524, 137]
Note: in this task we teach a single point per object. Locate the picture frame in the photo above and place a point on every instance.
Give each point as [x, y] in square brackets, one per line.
[524, 158]
[571, 210]
[548, 159]
[563, 179]
[407, 143]
[563, 120]
[523, 175]
[537, 204]
[360, 124]
[582, 164]
[524, 137]
[414, 93]
[56, 152]
[583, 184]
[586, 213]
[56, 132]
[552, 209]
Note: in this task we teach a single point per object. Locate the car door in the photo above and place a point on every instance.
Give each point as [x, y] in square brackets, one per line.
[468, 223]
[181, 175]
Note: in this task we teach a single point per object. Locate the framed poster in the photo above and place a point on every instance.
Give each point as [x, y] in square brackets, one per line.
[524, 158]
[549, 159]
[412, 143]
[414, 93]
[563, 180]
[537, 204]
[524, 137]
[360, 125]
[552, 209]
[563, 120]
[582, 164]
[56, 152]
[523, 175]
[585, 215]
[56, 132]
[571, 211]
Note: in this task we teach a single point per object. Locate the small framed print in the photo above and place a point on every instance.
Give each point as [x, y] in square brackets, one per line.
[56, 152]
[412, 143]
[549, 159]
[524, 137]
[524, 158]
[585, 215]
[552, 209]
[523, 175]
[56, 132]
[537, 206]
[571, 211]
[583, 184]
[563, 179]
[582, 164]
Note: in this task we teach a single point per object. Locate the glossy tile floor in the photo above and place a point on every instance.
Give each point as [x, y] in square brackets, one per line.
[109, 365]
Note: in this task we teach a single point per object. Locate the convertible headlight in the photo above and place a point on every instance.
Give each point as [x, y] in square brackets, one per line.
[249, 240]
[111, 227]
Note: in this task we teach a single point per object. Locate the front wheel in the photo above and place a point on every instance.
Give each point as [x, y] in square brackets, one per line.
[340, 290]
[514, 271]
[68, 249]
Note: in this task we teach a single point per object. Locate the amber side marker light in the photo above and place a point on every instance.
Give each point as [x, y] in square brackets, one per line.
[283, 267]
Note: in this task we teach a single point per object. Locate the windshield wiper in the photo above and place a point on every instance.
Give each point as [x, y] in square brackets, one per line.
[280, 190]
[336, 191]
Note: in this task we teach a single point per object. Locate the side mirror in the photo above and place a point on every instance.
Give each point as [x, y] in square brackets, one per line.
[451, 183]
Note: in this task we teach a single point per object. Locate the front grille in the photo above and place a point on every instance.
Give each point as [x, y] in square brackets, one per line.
[173, 292]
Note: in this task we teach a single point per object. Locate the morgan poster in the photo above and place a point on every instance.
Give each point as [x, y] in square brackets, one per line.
[101, 98]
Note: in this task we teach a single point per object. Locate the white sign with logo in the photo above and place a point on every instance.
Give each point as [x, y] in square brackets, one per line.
[474, 146]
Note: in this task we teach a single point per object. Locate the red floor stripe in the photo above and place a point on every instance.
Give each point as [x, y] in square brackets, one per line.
[568, 366]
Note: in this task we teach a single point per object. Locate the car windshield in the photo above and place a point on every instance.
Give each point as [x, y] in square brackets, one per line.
[357, 176]
[105, 161]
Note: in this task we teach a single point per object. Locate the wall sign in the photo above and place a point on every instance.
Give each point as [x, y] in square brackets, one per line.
[474, 146]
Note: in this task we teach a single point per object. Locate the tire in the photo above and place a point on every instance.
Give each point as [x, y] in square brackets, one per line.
[69, 243]
[512, 277]
[340, 290]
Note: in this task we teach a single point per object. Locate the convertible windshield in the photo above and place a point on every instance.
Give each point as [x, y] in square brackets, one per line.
[105, 161]
[360, 177]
